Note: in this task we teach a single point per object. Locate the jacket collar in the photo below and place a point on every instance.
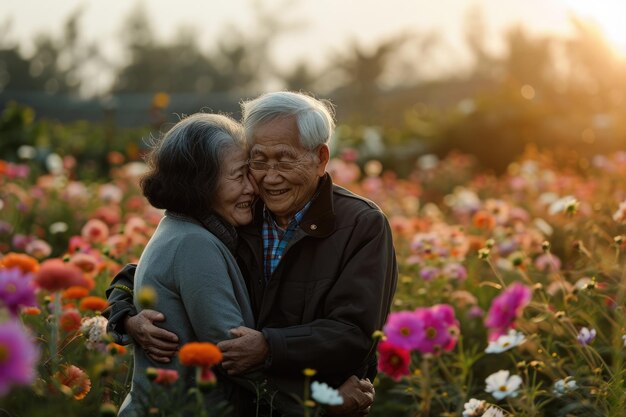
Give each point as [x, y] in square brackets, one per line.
[319, 220]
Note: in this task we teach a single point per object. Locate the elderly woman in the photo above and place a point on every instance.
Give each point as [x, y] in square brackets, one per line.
[198, 174]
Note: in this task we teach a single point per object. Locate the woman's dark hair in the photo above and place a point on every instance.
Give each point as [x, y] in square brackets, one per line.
[185, 165]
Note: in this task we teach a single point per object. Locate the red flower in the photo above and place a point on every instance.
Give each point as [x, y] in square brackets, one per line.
[70, 320]
[393, 361]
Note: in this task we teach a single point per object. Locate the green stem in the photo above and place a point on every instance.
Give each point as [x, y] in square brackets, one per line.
[426, 391]
[54, 331]
[199, 394]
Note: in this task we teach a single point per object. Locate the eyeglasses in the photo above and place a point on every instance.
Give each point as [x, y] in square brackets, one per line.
[282, 166]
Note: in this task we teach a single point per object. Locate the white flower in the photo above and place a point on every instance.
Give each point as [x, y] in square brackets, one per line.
[624, 338]
[58, 227]
[563, 204]
[500, 385]
[324, 394]
[506, 342]
[110, 193]
[563, 386]
[95, 330]
[620, 215]
[26, 152]
[474, 408]
[493, 412]
[54, 163]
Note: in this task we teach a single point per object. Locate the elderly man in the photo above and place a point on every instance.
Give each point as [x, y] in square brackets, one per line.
[318, 260]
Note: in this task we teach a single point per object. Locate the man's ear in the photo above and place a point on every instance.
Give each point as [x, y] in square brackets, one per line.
[323, 154]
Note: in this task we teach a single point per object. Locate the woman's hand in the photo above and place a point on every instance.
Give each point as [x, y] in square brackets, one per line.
[159, 344]
[358, 397]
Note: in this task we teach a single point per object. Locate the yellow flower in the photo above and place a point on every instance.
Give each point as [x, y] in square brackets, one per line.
[309, 372]
[147, 297]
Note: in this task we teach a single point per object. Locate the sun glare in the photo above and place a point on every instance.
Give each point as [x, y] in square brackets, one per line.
[608, 15]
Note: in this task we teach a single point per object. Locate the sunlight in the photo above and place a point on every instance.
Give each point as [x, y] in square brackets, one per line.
[608, 15]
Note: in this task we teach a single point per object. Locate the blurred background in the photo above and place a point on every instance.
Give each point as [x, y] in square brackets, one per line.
[491, 78]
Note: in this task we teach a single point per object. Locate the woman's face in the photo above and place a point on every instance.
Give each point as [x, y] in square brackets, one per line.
[235, 193]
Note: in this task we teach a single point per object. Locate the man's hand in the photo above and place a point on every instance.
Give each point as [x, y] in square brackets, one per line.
[248, 349]
[358, 397]
[159, 344]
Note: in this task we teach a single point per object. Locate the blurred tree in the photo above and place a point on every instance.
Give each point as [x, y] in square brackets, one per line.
[59, 62]
[362, 71]
[55, 65]
[239, 62]
[528, 61]
[301, 78]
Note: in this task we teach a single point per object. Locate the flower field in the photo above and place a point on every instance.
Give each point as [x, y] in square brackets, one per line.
[510, 299]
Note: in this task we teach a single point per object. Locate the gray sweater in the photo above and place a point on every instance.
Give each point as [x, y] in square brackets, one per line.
[199, 288]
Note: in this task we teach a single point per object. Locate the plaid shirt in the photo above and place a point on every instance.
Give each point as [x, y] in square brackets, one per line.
[276, 239]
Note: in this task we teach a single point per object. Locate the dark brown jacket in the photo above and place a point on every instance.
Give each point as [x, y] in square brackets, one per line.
[331, 290]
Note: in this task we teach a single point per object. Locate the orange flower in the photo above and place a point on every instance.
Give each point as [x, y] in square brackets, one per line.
[55, 275]
[70, 320]
[93, 303]
[75, 379]
[115, 349]
[199, 354]
[484, 220]
[75, 293]
[24, 262]
[31, 311]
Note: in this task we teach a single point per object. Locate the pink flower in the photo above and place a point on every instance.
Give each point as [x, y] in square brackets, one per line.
[428, 273]
[455, 270]
[393, 360]
[505, 308]
[18, 356]
[438, 329]
[55, 275]
[166, 376]
[95, 231]
[38, 248]
[428, 330]
[402, 329]
[548, 262]
[16, 290]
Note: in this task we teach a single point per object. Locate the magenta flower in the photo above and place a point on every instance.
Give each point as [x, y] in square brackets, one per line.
[17, 290]
[402, 329]
[438, 329]
[505, 308]
[18, 356]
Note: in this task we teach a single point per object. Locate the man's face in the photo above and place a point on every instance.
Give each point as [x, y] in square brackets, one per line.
[287, 187]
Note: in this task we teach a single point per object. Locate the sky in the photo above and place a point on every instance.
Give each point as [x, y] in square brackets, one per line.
[322, 27]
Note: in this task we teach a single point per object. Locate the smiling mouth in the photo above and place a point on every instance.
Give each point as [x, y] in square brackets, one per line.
[244, 205]
[274, 193]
